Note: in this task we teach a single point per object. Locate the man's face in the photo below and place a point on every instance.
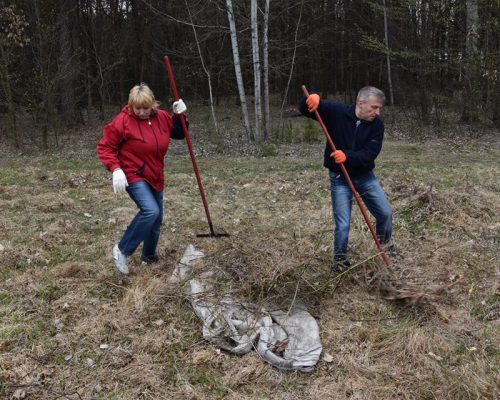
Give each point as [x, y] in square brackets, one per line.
[368, 109]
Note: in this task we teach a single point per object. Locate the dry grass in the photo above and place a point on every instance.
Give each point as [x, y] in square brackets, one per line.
[73, 328]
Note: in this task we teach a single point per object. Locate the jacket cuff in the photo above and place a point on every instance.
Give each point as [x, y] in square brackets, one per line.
[114, 167]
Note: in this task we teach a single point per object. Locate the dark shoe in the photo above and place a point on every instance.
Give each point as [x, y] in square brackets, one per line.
[340, 264]
[150, 259]
[393, 252]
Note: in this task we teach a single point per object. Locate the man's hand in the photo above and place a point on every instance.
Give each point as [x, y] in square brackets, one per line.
[179, 107]
[312, 102]
[119, 181]
[338, 156]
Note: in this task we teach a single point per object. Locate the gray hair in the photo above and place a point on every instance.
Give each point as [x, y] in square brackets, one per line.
[368, 91]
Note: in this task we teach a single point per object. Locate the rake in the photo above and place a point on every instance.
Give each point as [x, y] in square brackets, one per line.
[193, 158]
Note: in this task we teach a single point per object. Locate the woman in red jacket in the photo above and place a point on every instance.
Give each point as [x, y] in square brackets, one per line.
[133, 148]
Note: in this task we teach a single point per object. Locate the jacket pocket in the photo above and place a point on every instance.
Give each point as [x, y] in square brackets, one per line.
[140, 171]
[335, 175]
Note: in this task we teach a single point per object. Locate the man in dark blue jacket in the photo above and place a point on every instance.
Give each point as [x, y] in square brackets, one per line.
[358, 133]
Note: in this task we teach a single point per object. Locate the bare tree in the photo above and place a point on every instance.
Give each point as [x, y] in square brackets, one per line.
[388, 56]
[265, 71]
[469, 110]
[207, 72]
[256, 69]
[11, 36]
[237, 69]
[292, 65]
[68, 65]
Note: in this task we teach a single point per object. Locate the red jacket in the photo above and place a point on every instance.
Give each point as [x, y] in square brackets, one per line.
[138, 146]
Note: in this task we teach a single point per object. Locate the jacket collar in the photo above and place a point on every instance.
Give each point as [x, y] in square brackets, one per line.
[350, 111]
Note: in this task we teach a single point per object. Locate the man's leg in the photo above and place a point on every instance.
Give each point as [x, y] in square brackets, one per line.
[341, 207]
[376, 201]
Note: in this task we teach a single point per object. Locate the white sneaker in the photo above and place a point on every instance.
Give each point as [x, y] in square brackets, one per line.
[120, 260]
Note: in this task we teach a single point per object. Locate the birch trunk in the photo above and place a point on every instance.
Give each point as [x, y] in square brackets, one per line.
[237, 70]
[388, 57]
[265, 56]
[256, 69]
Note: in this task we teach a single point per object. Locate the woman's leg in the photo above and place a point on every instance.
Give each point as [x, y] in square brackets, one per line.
[151, 240]
[141, 226]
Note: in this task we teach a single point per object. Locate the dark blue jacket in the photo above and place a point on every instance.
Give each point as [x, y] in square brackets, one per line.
[360, 141]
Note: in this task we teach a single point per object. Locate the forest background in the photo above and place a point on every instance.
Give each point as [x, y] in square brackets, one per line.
[63, 61]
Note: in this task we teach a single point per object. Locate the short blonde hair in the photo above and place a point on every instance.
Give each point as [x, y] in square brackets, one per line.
[141, 96]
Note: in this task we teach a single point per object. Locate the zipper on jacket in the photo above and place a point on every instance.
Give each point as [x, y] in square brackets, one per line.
[140, 130]
[358, 123]
[156, 139]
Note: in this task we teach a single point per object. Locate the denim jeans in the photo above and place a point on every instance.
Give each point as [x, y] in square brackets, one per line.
[375, 200]
[145, 227]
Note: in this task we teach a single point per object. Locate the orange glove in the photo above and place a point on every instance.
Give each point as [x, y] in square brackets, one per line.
[338, 156]
[312, 102]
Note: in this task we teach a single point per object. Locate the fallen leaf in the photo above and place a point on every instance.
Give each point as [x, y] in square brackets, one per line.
[435, 356]
[5, 346]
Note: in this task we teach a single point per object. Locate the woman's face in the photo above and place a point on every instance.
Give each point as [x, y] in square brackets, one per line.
[142, 113]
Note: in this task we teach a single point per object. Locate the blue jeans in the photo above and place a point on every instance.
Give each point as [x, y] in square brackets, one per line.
[375, 200]
[145, 227]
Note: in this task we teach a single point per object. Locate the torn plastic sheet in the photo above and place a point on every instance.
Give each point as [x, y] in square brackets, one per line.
[287, 339]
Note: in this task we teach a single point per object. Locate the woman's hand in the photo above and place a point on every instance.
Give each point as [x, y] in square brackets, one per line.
[119, 181]
[179, 107]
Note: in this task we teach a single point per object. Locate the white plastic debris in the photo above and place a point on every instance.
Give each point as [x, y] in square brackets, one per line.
[58, 323]
[287, 339]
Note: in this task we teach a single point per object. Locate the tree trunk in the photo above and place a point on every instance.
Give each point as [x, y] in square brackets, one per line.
[66, 67]
[7, 88]
[237, 70]
[388, 56]
[265, 49]
[256, 69]
[281, 125]
[470, 98]
[207, 72]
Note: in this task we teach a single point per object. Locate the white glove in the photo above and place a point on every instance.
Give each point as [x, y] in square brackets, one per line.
[119, 181]
[179, 107]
